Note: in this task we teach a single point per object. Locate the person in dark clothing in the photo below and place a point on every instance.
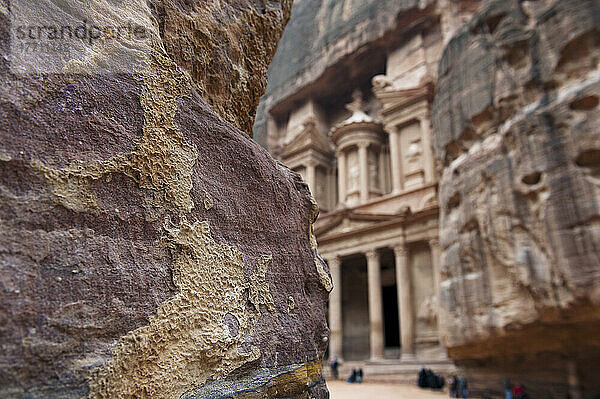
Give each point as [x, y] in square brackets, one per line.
[428, 379]
[434, 381]
[455, 391]
[422, 379]
[437, 382]
[359, 376]
[462, 387]
[352, 377]
[453, 384]
[334, 364]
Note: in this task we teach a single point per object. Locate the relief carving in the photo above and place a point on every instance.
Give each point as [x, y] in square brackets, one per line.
[427, 311]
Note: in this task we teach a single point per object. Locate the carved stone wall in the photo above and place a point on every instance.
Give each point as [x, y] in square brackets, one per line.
[517, 143]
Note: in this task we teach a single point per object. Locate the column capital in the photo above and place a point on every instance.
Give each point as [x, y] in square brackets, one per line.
[392, 129]
[371, 254]
[400, 249]
[363, 144]
[434, 242]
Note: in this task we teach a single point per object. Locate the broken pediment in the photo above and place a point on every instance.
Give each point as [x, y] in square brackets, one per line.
[309, 138]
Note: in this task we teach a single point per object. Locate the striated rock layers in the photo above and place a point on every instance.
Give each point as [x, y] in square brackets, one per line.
[517, 142]
[148, 248]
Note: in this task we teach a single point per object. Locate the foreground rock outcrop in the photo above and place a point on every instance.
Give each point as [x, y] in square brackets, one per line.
[148, 248]
[518, 145]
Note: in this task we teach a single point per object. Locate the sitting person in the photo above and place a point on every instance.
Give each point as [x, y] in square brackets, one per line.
[352, 377]
[518, 392]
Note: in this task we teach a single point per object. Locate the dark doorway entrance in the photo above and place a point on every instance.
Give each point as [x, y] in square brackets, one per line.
[390, 316]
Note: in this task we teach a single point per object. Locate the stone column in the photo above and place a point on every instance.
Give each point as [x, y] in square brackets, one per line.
[381, 169]
[335, 309]
[331, 188]
[428, 166]
[405, 305]
[375, 305]
[341, 164]
[396, 161]
[364, 171]
[311, 177]
[436, 258]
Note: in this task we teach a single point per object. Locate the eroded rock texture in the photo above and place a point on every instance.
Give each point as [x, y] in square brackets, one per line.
[226, 47]
[148, 248]
[518, 145]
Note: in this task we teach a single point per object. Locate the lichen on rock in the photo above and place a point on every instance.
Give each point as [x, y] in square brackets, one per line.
[188, 342]
[162, 161]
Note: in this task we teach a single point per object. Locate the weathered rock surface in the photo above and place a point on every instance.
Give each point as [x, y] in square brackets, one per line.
[226, 48]
[518, 146]
[148, 248]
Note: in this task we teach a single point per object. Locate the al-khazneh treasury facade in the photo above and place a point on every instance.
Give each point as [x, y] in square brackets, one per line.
[360, 136]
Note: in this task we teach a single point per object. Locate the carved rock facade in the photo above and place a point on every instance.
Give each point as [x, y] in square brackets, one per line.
[148, 248]
[515, 122]
[353, 117]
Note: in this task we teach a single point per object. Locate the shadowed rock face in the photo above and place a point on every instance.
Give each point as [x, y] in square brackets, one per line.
[148, 248]
[517, 143]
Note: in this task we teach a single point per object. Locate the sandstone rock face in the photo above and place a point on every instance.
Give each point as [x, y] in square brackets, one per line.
[518, 147]
[148, 248]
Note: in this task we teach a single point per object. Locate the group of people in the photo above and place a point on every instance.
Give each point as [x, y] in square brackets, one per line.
[428, 379]
[356, 376]
[458, 387]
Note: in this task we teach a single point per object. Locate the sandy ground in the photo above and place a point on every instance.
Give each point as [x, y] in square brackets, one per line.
[343, 390]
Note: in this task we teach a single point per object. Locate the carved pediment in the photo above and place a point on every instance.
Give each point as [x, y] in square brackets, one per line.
[308, 138]
[392, 98]
[346, 222]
